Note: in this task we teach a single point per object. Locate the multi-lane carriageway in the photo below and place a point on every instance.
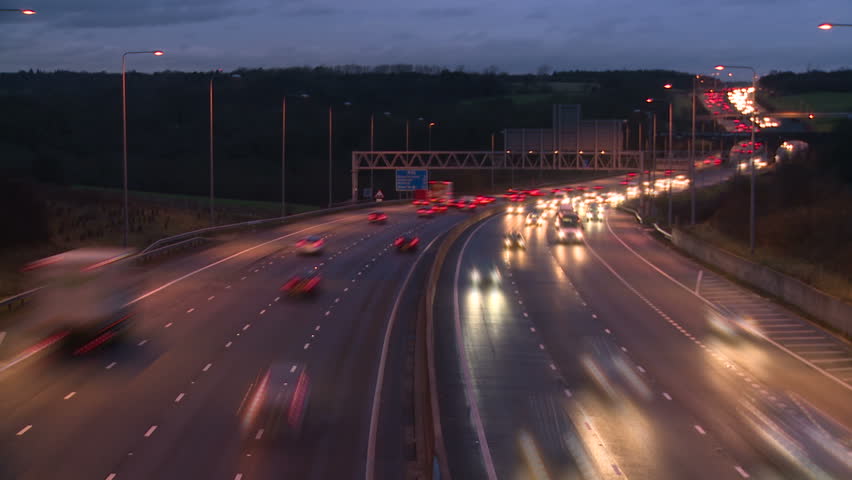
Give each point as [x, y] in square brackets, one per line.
[672, 399]
[598, 360]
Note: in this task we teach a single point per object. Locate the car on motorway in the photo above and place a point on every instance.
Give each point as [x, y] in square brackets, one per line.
[302, 284]
[517, 208]
[425, 212]
[406, 243]
[377, 217]
[532, 219]
[311, 245]
[595, 212]
[420, 202]
[439, 208]
[513, 240]
[276, 402]
[569, 229]
[488, 278]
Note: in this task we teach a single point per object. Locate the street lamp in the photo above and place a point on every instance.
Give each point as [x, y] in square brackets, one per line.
[429, 128]
[284, 152]
[22, 11]
[372, 141]
[670, 152]
[753, 149]
[124, 128]
[829, 26]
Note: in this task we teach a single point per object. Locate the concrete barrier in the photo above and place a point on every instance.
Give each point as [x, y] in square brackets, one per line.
[827, 309]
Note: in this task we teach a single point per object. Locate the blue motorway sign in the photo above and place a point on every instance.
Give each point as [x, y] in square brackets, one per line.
[410, 180]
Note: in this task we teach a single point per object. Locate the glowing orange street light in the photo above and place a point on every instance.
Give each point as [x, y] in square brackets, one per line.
[829, 26]
[649, 100]
[23, 11]
[811, 116]
[667, 86]
[158, 53]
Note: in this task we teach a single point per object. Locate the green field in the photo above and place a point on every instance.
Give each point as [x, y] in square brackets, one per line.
[812, 102]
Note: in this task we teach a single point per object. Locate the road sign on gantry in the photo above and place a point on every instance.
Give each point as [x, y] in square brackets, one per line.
[410, 180]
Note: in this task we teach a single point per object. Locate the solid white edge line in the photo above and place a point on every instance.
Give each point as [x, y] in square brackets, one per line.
[369, 471]
[468, 387]
[708, 302]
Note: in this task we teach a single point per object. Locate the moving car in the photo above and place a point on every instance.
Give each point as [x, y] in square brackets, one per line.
[439, 208]
[302, 284]
[489, 278]
[594, 213]
[532, 219]
[311, 245]
[515, 209]
[426, 212]
[569, 228]
[377, 217]
[514, 240]
[406, 243]
[275, 405]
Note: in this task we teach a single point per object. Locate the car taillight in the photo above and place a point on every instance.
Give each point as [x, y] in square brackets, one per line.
[397, 242]
[311, 283]
[319, 243]
[300, 243]
[292, 283]
[414, 242]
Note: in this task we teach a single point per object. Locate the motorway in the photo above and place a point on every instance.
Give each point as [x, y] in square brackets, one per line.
[162, 402]
[598, 360]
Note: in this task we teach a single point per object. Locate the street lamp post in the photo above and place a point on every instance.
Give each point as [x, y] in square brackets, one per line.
[492, 162]
[124, 129]
[284, 152]
[330, 136]
[429, 129]
[829, 26]
[22, 11]
[372, 141]
[212, 218]
[753, 174]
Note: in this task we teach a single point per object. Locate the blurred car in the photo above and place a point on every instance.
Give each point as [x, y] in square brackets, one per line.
[425, 212]
[489, 278]
[515, 209]
[275, 405]
[302, 284]
[569, 229]
[406, 243]
[594, 213]
[377, 217]
[439, 208]
[420, 202]
[514, 240]
[311, 245]
[532, 219]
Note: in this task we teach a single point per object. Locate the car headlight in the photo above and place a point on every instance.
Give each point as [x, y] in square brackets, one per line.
[474, 275]
[495, 276]
[510, 209]
[520, 209]
[578, 234]
[561, 234]
[507, 242]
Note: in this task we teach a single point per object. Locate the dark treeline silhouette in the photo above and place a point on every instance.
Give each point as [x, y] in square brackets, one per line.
[65, 127]
[791, 83]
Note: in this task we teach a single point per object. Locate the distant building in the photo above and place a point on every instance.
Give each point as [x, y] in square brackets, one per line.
[569, 134]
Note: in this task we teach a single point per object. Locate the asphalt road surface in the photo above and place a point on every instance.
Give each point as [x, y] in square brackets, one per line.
[162, 402]
[600, 360]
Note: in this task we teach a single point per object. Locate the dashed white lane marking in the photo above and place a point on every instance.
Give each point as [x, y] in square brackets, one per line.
[667, 396]
[24, 430]
[143, 342]
[262, 311]
[190, 310]
[306, 346]
[327, 313]
[150, 431]
[624, 349]
[255, 270]
[337, 300]
[243, 278]
[211, 297]
[227, 287]
[277, 298]
[616, 469]
[259, 434]
[742, 472]
[553, 367]
[109, 367]
[608, 331]
[179, 398]
[567, 393]
[67, 397]
[525, 314]
[168, 325]
[228, 345]
[346, 289]
[111, 476]
[594, 316]
[699, 429]
[541, 346]
[317, 328]
[246, 326]
[641, 369]
[206, 367]
[532, 329]
[292, 369]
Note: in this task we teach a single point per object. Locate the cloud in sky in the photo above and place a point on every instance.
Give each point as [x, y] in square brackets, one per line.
[516, 36]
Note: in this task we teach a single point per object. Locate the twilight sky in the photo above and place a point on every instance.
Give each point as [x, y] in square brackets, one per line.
[514, 35]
